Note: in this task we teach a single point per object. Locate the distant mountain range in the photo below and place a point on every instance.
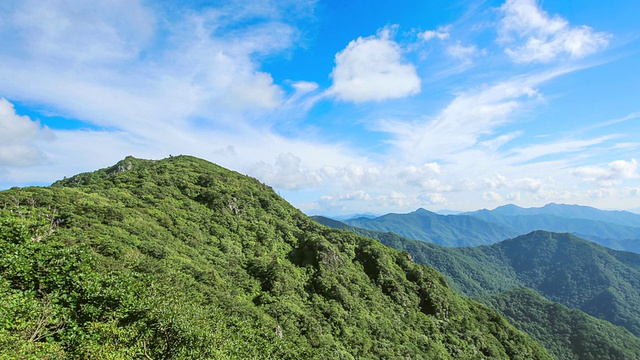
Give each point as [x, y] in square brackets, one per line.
[618, 230]
[560, 271]
[447, 230]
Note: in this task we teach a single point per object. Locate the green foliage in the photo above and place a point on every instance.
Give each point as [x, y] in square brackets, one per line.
[602, 282]
[181, 259]
[576, 273]
[566, 333]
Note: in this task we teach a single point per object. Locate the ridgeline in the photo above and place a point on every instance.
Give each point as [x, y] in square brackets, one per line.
[182, 259]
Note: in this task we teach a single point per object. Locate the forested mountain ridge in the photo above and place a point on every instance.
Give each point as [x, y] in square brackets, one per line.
[447, 230]
[566, 211]
[619, 230]
[609, 233]
[179, 258]
[560, 266]
[566, 333]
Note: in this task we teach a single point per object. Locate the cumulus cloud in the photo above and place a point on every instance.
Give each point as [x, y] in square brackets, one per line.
[372, 69]
[526, 184]
[356, 195]
[442, 33]
[531, 35]
[288, 173]
[491, 196]
[352, 175]
[613, 174]
[18, 135]
[424, 177]
[432, 198]
[394, 198]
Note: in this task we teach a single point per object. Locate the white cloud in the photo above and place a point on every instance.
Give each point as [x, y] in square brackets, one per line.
[432, 198]
[124, 66]
[304, 86]
[442, 33]
[352, 174]
[613, 174]
[394, 199]
[18, 137]
[371, 69]
[288, 173]
[356, 195]
[527, 184]
[424, 177]
[491, 196]
[464, 53]
[76, 31]
[531, 35]
[463, 121]
[514, 196]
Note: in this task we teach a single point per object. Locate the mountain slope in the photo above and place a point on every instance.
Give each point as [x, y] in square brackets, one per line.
[447, 230]
[180, 258]
[485, 274]
[566, 333]
[465, 274]
[576, 273]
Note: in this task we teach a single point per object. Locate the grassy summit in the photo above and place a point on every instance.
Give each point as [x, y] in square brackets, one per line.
[182, 259]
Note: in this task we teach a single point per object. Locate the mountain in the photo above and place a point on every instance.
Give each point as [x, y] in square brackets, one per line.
[447, 230]
[566, 333]
[602, 282]
[625, 218]
[618, 230]
[465, 274]
[355, 216]
[561, 267]
[182, 259]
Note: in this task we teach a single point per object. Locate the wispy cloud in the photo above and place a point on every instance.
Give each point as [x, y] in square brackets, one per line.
[464, 120]
[153, 79]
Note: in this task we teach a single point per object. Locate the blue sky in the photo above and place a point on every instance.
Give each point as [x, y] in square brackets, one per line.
[343, 107]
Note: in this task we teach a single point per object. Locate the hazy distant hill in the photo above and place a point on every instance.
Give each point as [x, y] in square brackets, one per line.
[355, 216]
[560, 266]
[618, 230]
[572, 212]
[447, 230]
[182, 259]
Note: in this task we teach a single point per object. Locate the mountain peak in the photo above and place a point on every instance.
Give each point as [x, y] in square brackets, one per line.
[191, 260]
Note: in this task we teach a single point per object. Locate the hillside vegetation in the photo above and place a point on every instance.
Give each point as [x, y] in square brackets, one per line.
[182, 259]
[566, 333]
[569, 270]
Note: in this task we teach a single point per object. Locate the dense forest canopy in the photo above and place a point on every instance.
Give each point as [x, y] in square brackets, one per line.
[180, 259]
